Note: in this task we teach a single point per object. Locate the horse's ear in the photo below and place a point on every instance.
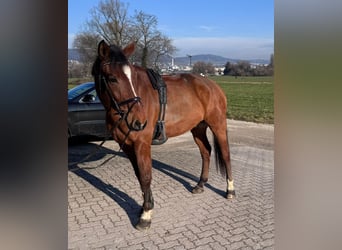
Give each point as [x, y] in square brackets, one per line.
[129, 49]
[103, 50]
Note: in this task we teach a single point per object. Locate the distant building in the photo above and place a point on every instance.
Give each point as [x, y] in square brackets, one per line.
[219, 71]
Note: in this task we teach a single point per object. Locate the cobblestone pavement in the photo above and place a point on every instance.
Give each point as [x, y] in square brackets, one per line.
[104, 203]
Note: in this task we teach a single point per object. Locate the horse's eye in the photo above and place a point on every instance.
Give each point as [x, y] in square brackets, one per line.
[112, 79]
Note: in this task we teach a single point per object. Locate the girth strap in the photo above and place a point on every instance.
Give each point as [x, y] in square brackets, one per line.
[159, 135]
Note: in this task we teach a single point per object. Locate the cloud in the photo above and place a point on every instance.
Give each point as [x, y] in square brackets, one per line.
[207, 28]
[231, 47]
[71, 38]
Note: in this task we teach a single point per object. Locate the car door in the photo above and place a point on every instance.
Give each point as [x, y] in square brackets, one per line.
[91, 115]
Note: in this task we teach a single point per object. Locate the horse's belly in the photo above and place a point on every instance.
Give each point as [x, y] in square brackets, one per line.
[185, 107]
[178, 124]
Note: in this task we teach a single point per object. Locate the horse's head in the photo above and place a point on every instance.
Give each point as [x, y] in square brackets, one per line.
[115, 84]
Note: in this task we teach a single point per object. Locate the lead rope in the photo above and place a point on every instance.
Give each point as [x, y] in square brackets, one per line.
[123, 116]
[72, 166]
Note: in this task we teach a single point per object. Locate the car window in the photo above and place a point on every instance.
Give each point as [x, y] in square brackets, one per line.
[78, 90]
[93, 92]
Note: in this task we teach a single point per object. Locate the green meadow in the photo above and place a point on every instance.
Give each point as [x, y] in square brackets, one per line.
[249, 98]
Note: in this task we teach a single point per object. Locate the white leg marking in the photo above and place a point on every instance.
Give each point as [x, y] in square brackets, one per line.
[127, 70]
[147, 215]
[230, 185]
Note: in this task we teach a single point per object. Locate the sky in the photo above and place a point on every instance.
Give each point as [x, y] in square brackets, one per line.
[238, 29]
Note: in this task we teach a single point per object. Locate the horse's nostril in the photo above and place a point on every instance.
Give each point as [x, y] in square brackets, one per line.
[137, 125]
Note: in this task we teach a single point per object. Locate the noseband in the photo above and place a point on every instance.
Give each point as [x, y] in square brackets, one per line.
[117, 105]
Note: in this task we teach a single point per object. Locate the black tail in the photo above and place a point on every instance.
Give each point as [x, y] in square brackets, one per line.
[220, 164]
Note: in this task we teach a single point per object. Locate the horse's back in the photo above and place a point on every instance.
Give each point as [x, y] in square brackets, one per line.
[193, 89]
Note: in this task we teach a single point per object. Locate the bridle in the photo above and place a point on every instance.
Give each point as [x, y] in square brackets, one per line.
[117, 105]
[123, 116]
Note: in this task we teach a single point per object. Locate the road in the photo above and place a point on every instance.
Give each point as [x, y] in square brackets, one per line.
[104, 203]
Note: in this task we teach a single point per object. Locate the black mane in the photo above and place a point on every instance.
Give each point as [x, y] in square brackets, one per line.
[95, 70]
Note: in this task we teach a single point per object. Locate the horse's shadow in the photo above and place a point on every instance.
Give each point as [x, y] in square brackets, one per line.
[82, 152]
[182, 176]
[129, 205]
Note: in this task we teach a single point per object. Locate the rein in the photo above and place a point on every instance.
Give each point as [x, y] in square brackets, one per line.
[117, 105]
[123, 116]
[98, 147]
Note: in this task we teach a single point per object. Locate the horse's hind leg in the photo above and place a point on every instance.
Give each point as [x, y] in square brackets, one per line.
[200, 137]
[222, 154]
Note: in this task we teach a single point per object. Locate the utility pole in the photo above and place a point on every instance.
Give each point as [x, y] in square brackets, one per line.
[190, 59]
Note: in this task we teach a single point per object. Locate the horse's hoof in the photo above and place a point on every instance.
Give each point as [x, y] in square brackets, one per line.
[197, 190]
[143, 225]
[231, 194]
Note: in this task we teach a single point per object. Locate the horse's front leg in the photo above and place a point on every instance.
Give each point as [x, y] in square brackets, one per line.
[144, 164]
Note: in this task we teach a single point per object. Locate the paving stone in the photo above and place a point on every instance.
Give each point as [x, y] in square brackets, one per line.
[104, 203]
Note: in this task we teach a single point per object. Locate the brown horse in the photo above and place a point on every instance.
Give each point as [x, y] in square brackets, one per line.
[132, 108]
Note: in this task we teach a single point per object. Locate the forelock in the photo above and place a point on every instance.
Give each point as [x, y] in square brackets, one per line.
[117, 56]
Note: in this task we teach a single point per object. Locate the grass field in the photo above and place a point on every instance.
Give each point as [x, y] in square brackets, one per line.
[249, 98]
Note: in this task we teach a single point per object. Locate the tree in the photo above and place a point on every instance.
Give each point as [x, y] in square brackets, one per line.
[162, 45]
[271, 61]
[203, 68]
[86, 43]
[242, 68]
[151, 42]
[75, 69]
[270, 67]
[227, 69]
[146, 29]
[110, 21]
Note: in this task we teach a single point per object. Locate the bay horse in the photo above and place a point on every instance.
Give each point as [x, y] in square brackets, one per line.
[132, 107]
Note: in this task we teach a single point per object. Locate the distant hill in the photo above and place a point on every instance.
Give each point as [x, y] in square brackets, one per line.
[73, 54]
[214, 59]
[183, 61]
[208, 58]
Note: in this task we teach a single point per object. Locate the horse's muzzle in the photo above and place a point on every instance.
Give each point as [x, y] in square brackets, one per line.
[137, 125]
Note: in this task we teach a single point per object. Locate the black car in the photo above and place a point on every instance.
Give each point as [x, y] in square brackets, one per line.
[86, 114]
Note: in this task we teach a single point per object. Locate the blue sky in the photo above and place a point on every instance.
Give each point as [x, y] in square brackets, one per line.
[241, 29]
